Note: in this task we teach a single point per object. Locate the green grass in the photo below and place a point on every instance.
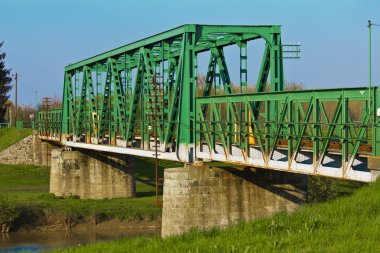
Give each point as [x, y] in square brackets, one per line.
[9, 136]
[348, 224]
[29, 186]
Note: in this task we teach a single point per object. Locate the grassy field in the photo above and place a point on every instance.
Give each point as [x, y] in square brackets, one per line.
[347, 224]
[28, 186]
[9, 136]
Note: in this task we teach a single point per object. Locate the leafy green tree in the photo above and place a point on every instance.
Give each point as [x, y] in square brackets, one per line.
[5, 84]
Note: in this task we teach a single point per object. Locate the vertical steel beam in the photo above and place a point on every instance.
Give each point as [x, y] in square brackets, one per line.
[68, 109]
[316, 131]
[344, 134]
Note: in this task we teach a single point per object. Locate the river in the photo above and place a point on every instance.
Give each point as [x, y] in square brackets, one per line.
[40, 241]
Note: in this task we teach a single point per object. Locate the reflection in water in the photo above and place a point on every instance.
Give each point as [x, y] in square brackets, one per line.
[37, 241]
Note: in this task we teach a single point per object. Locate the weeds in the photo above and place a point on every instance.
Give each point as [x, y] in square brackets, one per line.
[310, 225]
[97, 217]
[71, 218]
[8, 213]
[274, 227]
[321, 189]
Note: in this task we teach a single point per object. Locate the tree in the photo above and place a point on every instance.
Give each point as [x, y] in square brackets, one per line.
[5, 84]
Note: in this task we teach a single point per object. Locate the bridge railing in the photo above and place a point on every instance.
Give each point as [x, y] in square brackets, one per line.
[49, 123]
[5, 125]
[320, 131]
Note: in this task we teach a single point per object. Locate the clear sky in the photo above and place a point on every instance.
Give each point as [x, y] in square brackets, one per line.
[43, 36]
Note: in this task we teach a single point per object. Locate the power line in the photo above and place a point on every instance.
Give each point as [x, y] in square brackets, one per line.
[28, 89]
[22, 84]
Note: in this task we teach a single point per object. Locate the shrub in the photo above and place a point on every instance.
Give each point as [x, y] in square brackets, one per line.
[321, 189]
[8, 212]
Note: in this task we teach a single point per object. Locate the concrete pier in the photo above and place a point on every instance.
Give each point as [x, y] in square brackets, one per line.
[203, 197]
[374, 166]
[92, 175]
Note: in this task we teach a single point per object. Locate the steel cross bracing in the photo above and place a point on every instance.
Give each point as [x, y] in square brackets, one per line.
[323, 132]
[49, 124]
[110, 104]
[120, 116]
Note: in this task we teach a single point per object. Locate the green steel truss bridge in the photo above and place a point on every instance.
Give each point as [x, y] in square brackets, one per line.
[146, 97]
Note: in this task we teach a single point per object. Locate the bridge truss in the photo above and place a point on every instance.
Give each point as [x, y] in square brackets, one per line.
[124, 99]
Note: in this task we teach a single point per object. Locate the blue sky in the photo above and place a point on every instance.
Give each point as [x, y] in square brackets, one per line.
[43, 36]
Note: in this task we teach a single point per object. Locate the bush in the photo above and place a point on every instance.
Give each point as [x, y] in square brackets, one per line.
[8, 213]
[321, 189]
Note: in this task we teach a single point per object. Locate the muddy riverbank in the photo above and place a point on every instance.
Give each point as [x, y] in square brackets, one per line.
[50, 238]
[38, 236]
[83, 224]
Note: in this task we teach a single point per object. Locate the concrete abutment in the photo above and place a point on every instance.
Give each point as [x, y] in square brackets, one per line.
[202, 197]
[30, 150]
[42, 151]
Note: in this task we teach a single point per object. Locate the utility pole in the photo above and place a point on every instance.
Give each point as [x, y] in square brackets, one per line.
[370, 66]
[155, 135]
[16, 78]
[370, 24]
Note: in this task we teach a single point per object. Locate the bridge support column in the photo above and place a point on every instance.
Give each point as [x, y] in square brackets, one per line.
[41, 151]
[374, 166]
[203, 197]
[92, 175]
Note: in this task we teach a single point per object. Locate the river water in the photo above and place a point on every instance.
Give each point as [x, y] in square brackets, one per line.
[40, 241]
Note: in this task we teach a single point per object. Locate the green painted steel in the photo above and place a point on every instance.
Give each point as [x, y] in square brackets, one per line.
[120, 97]
[319, 120]
[109, 97]
[49, 123]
